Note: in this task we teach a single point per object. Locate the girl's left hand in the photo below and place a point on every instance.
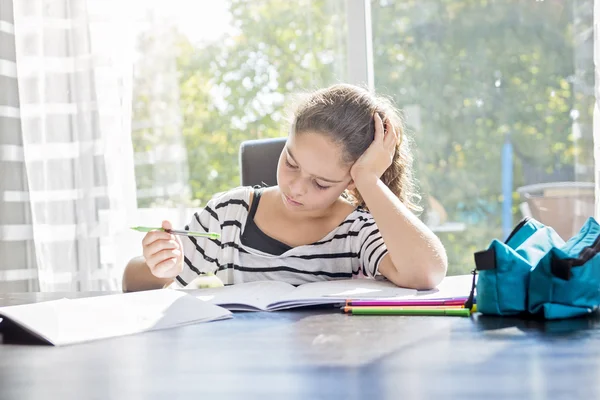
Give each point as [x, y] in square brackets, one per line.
[380, 154]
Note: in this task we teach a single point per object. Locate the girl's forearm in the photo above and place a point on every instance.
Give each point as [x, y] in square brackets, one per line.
[414, 249]
[137, 276]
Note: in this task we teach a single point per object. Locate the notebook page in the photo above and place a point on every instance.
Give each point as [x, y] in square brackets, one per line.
[333, 292]
[249, 296]
[449, 287]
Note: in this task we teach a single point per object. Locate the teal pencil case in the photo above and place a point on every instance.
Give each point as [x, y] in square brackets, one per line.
[504, 268]
[536, 273]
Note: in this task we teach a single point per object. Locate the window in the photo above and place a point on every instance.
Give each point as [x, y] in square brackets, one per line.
[498, 96]
[210, 75]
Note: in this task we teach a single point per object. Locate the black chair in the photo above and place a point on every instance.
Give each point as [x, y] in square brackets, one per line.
[258, 161]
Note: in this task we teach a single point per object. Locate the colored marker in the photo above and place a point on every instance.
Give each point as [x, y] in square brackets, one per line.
[211, 235]
[451, 312]
[409, 307]
[402, 303]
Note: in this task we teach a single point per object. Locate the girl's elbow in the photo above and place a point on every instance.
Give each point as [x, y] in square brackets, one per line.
[434, 266]
[427, 274]
[435, 272]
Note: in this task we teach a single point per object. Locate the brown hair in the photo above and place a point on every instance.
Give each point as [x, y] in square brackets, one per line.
[345, 114]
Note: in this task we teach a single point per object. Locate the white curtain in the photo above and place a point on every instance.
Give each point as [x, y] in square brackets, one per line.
[66, 157]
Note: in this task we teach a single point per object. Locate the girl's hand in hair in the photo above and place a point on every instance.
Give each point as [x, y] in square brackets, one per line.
[380, 154]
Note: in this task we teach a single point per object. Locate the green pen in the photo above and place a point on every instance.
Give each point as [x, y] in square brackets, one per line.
[451, 312]
[211, 235]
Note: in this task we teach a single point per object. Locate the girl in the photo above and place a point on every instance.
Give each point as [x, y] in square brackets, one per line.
[342, 207]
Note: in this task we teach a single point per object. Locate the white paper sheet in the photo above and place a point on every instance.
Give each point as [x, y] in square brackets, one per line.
[65, 321]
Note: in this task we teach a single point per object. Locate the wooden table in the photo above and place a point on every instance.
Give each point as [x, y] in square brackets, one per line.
[315, 354]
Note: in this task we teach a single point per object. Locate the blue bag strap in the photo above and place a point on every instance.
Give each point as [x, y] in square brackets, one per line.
[517, 228]
[561, 267]
[471, 300]
[485, 260]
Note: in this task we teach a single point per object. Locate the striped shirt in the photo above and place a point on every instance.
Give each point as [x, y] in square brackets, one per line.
[354, 247]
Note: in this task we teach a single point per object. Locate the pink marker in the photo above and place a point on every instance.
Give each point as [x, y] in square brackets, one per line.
[424, 303]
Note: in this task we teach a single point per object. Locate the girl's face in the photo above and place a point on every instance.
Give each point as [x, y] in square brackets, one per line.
[311, 174]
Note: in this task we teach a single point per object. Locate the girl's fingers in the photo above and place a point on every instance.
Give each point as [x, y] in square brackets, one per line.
[161, 245]
[391, 134]
[153, 236]
[166, 268]
[396, 135]
[155, 259]
[178, 241]
[379, 131]
[391, 137]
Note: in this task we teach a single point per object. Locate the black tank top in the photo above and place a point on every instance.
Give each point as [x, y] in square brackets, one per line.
[255, 238]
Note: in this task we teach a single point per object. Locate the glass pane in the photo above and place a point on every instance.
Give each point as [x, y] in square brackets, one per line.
[210, 75]
[498, 97]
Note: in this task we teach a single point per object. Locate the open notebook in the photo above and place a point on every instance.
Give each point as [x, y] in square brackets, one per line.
[273, 296]
[65, 321]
